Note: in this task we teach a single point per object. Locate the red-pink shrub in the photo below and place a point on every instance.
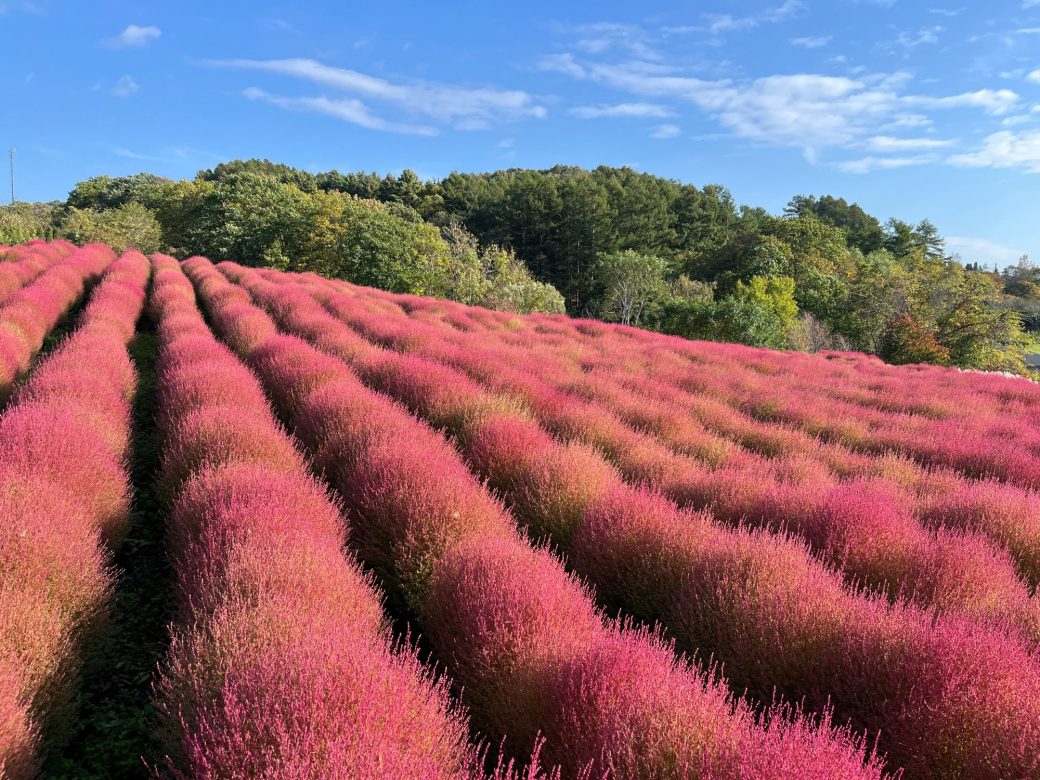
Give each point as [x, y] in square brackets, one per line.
[414, 506]
[1005, 513]
[280, 663]
[64, 498]
[215, 435]
[18, 741]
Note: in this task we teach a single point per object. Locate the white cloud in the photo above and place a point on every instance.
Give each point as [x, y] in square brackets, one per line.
[347, 109]
[462, 107]
[808, 111]
[125, 87]
[887, 143]
[812, 41]
[906, 122]
[134, 36]
[1006, 149]
[992, 101]
[926, 35]
[623, 110]
[862, 110]
[721, 23]
[868, 164]
[666, 131]
[1034, 76]
[562, 63]
[598, 37]
[167, 154]
[24, 5]
[982, 250]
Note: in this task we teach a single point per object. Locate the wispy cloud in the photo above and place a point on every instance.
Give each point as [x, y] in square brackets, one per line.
[7, 6]
[1005, 149]
[623, 110]
[807, 111]
[993, 101]
[134, 36]
[598, 37]
[666, 131]
[347, 109]
[1034, 76]
[812, 41]
[868, 164]
[723, 23]
[887, 143]
[125, 87]
[168, 154]
[282, 25]
[911, 40]
[464, 108]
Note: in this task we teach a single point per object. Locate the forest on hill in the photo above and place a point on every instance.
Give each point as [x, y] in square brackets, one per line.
[611, 243]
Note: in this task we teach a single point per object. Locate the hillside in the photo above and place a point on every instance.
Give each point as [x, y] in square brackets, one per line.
[256, 523]
[611, 243]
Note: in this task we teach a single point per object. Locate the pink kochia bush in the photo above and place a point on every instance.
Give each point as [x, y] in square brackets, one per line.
[29, 314]
[64, 506]
[21, 264]
[519, 635]
[279, 664]
[760, 604]
[865, 527]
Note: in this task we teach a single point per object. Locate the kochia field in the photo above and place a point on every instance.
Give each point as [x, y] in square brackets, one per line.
[406, 538]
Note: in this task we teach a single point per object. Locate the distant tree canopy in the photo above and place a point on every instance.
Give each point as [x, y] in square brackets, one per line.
[610, 242]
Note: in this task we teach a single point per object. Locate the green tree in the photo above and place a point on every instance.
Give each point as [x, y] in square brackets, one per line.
[760, 313]
[103, 192]
[972, 325]
[908, 341]
[21, 222]
[863, 231]
[128, 226]
[634, 284]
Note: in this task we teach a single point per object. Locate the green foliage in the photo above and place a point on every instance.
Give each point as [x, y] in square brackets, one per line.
[104, 192]
[279, 172]
[761, 312]
[908, 341]
[21, 222]
[494, 278]
[633, 285]
[972, 325]
[862, 231]
[129, 225]
[376, 246]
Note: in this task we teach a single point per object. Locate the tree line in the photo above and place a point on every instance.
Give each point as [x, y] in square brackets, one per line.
[611, 243]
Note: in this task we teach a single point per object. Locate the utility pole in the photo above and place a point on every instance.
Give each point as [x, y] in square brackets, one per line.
[11, 152]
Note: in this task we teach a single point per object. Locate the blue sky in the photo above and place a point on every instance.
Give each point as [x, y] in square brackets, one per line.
[913, 109]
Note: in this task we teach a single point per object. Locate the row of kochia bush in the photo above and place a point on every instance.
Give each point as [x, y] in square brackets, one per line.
[848, 407]
[521, 637]
[64, 494]
[647, 428]
[30, 312]
[280, 663]
[945, 697]
[862, 525]
[23, 263]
